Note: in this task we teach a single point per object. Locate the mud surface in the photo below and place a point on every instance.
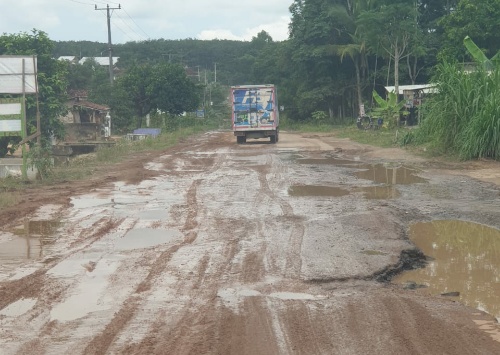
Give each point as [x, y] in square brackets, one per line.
[217, 248]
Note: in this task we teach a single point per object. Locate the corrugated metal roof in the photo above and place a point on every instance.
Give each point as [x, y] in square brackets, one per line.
[78, 93]
[91, 105]
[99, 60]
[67, 57]
[426, 88]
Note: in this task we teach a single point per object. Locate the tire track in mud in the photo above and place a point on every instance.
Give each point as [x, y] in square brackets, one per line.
[47, 290]
[293, 264]
[95, 232]
[199, 324]
[196, 330]
[102, 343]
[33, 285]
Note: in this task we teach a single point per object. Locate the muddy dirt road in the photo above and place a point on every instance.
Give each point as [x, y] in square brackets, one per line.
[218, 248]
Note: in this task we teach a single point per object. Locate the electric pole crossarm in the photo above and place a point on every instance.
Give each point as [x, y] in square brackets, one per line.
[110, 47]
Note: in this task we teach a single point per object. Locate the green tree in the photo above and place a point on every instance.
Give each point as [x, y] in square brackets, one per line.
[390, 28]
[480, 20]
[322, 80]
[52, 82]
[131, 97]
[146, 88]
[171, 90]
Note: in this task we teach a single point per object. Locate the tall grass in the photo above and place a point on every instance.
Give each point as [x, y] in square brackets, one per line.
[463, 117]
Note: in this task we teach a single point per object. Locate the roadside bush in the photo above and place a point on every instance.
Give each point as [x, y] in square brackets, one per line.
[40, 157]
[463, 117]
[407, 138]
[319, 117]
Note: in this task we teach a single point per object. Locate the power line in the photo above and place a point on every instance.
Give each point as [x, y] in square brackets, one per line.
[105, 2]
[126, 24]
[115, 25]
[147, 36]
[139, 35]
[79, 2]
[93, 2]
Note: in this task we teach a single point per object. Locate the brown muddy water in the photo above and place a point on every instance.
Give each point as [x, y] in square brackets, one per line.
[464, 257]
[378, 173]
[370, 192]
[31, 240]
[389, 175]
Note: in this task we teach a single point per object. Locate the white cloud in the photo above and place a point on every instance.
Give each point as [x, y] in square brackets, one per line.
[153, 19]
[277, 30]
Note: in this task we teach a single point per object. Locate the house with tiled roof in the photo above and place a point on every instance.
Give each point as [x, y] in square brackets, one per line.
[84, 120]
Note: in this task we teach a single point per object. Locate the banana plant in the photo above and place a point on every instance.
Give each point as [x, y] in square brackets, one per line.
[479, 55]
[389, 110]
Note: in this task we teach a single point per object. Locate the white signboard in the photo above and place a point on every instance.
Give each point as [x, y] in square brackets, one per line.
[12, 71]
[10, 126]
[10, 109]
[11, 116]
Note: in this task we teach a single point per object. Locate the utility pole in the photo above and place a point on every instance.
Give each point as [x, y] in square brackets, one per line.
[110, 48]
[215, 72]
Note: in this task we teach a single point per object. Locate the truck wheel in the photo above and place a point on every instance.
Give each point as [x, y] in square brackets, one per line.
[277, 135]
[241, 139]
[274, 139]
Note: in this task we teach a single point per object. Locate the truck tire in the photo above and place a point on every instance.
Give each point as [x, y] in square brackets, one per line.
[274, 138]
[241, 139]
[277, 135]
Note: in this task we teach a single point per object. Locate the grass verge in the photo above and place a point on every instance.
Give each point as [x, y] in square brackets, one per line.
[383, 138]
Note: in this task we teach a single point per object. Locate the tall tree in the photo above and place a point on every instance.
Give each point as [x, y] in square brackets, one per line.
[317, 27]
[172, 91]
[391, 26]
[145, 88]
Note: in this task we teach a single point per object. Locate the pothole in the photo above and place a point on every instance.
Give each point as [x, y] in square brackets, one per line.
[389, 175]
[315, 190]
[464, 262]
[327, 161]
[368, 192]
[32, 240]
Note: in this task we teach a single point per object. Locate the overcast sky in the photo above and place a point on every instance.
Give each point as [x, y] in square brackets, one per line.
[140, 20]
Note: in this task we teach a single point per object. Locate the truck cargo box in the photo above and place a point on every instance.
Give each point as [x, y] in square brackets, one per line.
[255, 112]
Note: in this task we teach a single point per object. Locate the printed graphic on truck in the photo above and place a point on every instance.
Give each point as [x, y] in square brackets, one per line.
[253, 107]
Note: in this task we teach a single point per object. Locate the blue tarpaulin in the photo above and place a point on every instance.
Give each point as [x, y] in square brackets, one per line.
[153, 132]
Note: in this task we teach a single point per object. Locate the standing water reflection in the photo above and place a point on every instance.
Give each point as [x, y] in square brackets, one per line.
[465, 258]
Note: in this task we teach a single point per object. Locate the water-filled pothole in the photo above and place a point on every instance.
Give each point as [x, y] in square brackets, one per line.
[315, 190]
[379, 173]
[327, 161]
[369, 192]
[464, 258]
[382, 174]
[33, 241]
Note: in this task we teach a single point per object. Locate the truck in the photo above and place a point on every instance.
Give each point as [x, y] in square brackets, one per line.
[255, 112]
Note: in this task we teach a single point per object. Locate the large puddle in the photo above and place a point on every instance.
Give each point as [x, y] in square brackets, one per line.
[315, 190]
[33, 241]
[465, 258]
[379, 173]
[326, 161]
[389, 175]
[368, 192]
